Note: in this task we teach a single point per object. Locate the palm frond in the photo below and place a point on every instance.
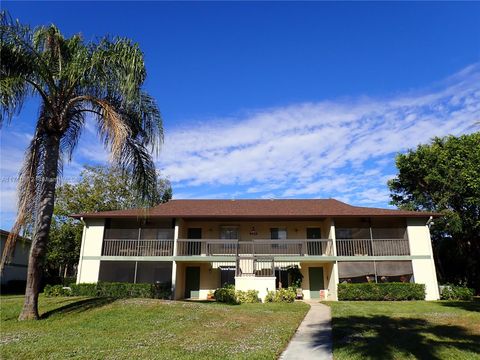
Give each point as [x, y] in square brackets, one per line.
[111, 126]
[30, 176]
[137, 162]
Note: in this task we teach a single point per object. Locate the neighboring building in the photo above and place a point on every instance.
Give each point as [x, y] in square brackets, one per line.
[199, 245]
[16, 269]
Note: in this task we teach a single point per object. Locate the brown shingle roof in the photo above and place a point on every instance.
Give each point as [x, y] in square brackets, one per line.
[292, 208]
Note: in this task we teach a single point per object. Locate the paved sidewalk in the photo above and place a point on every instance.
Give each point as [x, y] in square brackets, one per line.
[313, 339]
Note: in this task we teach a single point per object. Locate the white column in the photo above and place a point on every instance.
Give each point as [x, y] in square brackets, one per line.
[335, 264]
[333, 236]
[174, 263]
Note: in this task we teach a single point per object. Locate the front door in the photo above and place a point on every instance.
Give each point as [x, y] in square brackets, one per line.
[314, 247]
[192, 282]
[315, 275]
[194, 247]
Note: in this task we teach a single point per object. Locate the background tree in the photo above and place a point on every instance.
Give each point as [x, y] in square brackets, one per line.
[75, 82]
[99, 189]
[444, 176]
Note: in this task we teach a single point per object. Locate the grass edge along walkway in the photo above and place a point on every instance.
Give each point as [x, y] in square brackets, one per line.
[92, 328]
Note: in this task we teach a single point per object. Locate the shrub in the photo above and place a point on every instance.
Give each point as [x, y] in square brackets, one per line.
[84, 289]
[66, 281]
[456, 292]
[122, 290]
[56, 290]
[162, 290]
[383, 291]
[247, 297]
[226, 295]
[281, 295]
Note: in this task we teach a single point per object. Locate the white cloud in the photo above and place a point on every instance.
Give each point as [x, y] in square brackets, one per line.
[344, 148]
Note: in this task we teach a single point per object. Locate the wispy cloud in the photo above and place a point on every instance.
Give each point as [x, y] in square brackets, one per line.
[342, 148]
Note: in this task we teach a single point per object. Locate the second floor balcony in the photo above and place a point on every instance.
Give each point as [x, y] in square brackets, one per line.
[257, 247]
[222, 247]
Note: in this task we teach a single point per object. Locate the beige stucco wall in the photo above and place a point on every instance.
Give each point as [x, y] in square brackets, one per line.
[92, 239]
[328, 279]
[209, 279]
[295, 229]
[262, 284]
[421, 244]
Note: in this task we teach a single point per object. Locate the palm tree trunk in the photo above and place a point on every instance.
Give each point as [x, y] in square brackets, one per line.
[41, 230]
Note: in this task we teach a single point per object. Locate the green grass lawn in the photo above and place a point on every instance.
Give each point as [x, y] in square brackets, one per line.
[406, 330]
[147, 328]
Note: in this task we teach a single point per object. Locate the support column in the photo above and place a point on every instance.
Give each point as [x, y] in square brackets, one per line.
[335, 264]
[174, 263]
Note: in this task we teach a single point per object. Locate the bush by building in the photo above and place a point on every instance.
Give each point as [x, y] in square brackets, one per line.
[382, 291]
[456, 292]
[113, 290]
[281, 295]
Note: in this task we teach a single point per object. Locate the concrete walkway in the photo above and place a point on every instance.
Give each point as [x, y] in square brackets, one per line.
[313, 339]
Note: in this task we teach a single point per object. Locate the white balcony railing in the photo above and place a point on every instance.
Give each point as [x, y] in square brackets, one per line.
[212, 247]
[134, 247]
[288, 247]
[372, 247]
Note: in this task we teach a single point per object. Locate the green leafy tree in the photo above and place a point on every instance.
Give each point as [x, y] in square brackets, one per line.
[99, 82]
[444, 177]
[99, 189]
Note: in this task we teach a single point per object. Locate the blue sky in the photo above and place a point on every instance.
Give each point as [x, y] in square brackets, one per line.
[279, 99]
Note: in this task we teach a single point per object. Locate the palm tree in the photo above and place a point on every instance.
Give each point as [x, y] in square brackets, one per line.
[76, 82]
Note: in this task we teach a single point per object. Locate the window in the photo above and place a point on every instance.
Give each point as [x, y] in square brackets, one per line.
[278, 233]
[229, 232]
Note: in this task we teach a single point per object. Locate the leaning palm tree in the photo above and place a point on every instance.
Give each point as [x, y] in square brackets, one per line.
[76, 82]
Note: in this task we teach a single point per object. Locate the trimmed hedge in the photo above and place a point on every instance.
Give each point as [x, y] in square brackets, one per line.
[456, 292]
[113, 290]
[281, 295]
[382, 292]
[56, 290]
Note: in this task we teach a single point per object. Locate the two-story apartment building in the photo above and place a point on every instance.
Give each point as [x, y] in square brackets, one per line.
[199, 245]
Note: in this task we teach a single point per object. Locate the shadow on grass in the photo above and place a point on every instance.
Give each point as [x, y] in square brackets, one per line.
[465, 305]
[383, 337]
[79, 306]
